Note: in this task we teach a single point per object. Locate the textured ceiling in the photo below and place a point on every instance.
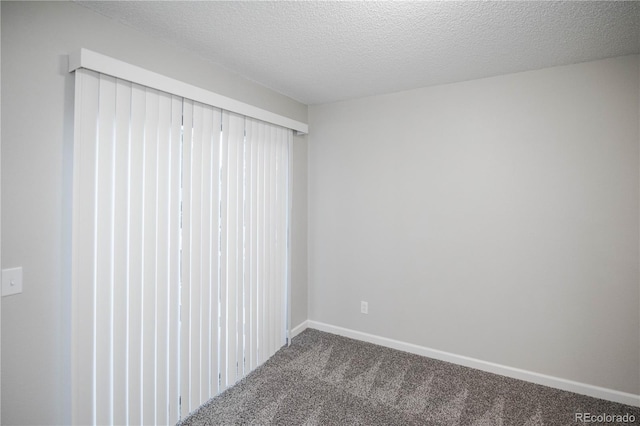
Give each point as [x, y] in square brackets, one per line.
[318, 52]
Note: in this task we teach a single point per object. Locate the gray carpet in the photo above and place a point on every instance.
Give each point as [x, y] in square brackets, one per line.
[324, 379]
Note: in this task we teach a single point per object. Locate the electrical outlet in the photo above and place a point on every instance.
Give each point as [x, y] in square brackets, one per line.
[364, 307]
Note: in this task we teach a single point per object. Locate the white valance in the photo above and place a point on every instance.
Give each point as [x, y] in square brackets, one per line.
[103, 64]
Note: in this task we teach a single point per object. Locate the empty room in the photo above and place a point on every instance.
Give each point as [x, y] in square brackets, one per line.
[320, 213]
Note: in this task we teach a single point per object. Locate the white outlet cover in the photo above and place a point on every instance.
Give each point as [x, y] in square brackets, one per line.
[11, 281]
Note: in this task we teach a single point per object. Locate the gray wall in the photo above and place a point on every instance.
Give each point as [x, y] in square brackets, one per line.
[496, 219]
[37, 116]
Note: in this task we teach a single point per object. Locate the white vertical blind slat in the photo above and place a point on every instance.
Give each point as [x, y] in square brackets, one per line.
[136, 191]
[274, 241]
[173, 345]
[185, 297]
[214, 243]
[104, 250]
[262, 246]
[246, 254]
[196, 256]
[83, 262]
[275, 284]
[150, 256]
[265, 346]
[231, 136]
[121, 251]
[239, 137]
[255, 241]
[236, 134]
[271, 240]
[232, 250]
[276, 244]
[284, 236]
[251, 223]
[228, 256]
[279, 255]
[223, 267]
[164, 248]
[284, 219]
[205, 220]
[288, 227]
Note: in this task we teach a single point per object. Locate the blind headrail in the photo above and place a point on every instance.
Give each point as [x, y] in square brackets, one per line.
[85, 58]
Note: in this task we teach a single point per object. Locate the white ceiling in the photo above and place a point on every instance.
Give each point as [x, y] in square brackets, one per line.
[318, 52]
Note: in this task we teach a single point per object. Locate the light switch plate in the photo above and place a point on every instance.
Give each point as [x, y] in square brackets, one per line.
[11, 281]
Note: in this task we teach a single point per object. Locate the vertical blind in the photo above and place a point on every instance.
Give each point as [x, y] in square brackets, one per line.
[180, 250]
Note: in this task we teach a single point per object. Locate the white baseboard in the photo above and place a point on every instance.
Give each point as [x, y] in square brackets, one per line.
[299, 328]
[516, 373]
